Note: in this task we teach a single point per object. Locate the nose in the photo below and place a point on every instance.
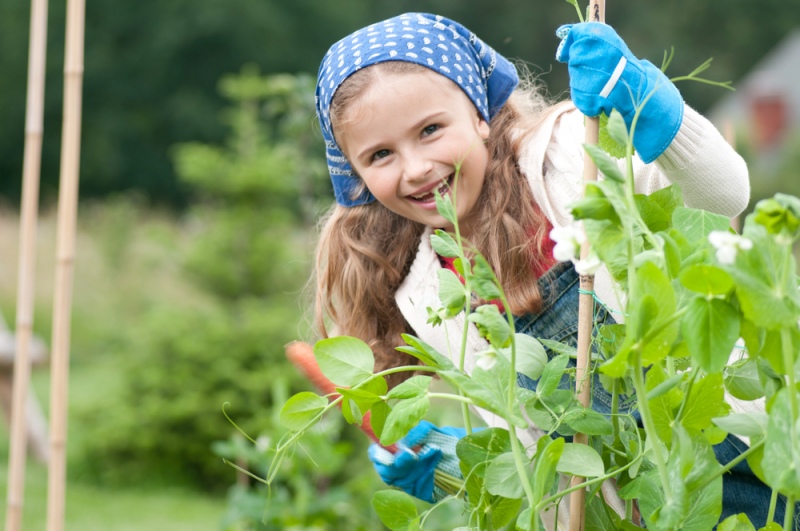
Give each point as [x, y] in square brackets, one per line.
[416, 167]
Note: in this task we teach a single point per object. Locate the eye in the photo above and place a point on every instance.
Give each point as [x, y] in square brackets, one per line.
[381, 153]
[430, 129]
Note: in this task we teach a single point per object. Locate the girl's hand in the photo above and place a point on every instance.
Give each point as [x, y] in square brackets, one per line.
[605, 75]
[425, 452]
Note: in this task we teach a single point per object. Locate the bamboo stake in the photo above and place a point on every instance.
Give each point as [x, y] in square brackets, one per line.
[31, 168]
[577, 500]
[67, 214]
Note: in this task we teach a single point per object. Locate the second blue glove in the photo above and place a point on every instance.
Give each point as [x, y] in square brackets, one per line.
[421, 452]
[605, 75]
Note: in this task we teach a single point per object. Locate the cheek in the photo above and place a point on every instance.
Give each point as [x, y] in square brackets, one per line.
[379, 183]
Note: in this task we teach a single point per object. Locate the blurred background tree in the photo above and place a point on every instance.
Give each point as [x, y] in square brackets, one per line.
[152, 67]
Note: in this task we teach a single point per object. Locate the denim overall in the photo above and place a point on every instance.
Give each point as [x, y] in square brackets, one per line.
[742, 491]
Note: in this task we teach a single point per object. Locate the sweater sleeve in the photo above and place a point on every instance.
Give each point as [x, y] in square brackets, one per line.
[712, 176]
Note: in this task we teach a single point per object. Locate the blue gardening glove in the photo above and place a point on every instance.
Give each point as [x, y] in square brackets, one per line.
[424, 450]
[605, 75]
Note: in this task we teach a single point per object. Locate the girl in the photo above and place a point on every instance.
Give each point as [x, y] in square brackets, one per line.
[405, 103]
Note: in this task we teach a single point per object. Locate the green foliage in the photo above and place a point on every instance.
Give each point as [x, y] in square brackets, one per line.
[247, 253]
[694, 289]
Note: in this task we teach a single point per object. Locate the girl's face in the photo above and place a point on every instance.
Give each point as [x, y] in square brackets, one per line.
[405, 137]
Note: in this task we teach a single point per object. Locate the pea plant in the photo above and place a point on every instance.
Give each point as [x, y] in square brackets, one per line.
[707, 313]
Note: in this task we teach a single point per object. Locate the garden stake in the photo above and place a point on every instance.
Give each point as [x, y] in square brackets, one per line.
[577, 499]
[65, 254]
[31, 167]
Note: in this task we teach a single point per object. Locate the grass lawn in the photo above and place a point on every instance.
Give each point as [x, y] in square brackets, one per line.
[90, 508]
[103, 287]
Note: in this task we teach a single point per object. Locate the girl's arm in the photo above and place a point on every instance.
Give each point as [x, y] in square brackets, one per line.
[710, 173]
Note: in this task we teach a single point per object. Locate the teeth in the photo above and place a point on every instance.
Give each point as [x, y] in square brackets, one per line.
[442, 190]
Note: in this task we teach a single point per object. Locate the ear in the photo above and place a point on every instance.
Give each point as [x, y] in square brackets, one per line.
[483, 128]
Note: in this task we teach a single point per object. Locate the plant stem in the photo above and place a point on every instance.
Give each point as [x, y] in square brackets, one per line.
[686, 395]
[462, 356]
[615, 411]
[732, 463]
[450, 396]
[773, 503]
[789, 516]
[649, 426]
[518, 452]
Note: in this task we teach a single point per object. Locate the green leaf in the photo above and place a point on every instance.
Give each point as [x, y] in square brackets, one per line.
[559, 348]
[546, 411]
[696, 224]
[551, 376]
[483, 281]
[414, 387]
[604, 163]
[345, 361]
[778, 216]
[662, 408]
[445, 207]
[544, 472]
[704, 403]
[617, 132]
[379, 412]
[479, 394]
[452, 292]
[781, 463]
[768, 298]
[531, 357]
[362, 398]
[707, 279]
[425, 353]
[405, 415]
[482, 446]
[580, 460]
[396, 509]
[611, 246]
[588, 421]
[301, 409]
[653, 282]
[665, 386]
[492, 325]
[494, 383]
[444, 244]
[652, 214]
[524, 519]
[742, 380]
[710, 329]
[672, 253]
[503, 511]
[736, 522]
[598, 208]
[501, 477]
[752, 424]
[668, 198]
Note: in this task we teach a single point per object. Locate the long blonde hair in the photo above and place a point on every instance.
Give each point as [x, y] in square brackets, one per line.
[365, 252]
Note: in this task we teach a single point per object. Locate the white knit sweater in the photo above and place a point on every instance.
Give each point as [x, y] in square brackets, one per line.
[710, 173]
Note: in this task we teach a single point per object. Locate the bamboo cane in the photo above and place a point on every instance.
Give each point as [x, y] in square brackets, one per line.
[31, 167]
[577, 500]
[67, 214]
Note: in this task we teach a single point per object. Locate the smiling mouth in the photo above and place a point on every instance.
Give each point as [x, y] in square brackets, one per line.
[430, 196]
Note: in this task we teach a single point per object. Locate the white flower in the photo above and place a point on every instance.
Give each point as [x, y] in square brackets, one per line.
[588, 266]
[486, 359]
[728, 244]
[568, 242]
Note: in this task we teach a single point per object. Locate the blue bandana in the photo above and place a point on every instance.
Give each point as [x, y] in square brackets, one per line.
[432, 41]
